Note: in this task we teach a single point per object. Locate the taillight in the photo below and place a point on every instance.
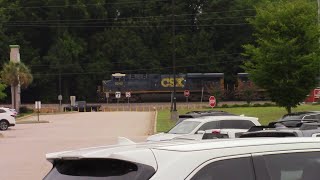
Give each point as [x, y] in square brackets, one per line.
[216, 132]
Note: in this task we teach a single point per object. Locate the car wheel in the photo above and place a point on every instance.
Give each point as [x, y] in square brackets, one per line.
[4, 125]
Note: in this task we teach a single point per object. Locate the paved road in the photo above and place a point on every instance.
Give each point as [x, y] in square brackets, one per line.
[23, 148]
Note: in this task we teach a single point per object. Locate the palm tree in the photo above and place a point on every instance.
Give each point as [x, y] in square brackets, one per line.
[16, 74]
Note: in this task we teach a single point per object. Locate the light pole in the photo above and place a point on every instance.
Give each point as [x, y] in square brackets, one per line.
[174, 112]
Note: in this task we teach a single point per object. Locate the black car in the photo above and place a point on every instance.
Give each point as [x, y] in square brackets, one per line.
[288, 128]
[196, 114]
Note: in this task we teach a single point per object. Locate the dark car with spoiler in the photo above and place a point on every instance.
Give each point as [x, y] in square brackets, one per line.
[286, 128]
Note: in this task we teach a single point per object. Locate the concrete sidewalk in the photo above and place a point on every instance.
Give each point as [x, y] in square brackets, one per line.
[23, 147]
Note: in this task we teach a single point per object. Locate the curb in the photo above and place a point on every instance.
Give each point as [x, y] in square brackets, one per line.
[23, 117]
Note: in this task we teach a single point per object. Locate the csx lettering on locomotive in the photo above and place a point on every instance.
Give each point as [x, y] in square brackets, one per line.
[168, 82]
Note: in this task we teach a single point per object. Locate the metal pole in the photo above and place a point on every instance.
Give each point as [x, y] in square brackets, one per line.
[174, 56]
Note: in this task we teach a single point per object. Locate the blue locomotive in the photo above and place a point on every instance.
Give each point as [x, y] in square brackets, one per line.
[159, 87]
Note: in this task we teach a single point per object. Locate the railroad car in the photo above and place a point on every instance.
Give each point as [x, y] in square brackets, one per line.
[159, 87]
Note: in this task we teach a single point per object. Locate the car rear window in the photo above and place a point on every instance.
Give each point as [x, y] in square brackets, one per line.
[236, 124]
[99, 169]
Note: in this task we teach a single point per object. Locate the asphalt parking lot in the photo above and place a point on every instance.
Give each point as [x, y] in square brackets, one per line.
[23, 147]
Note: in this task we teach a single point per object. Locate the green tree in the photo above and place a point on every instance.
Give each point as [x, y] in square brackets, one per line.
[284, 57]
[15, 74]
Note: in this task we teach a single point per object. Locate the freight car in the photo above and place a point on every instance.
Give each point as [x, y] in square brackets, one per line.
[159, 87]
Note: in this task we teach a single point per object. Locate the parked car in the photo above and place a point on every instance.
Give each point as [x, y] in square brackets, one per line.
[302, 116]
[196, 114]
[7, 118]
[223, 159]
[213, 134]
[201, 124]
[280, 129]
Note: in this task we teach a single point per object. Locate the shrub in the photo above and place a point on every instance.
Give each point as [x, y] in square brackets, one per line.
[268, 105]
[257, 105]
[245, 105]
[235, 105]
[24, 109]
[225, 106]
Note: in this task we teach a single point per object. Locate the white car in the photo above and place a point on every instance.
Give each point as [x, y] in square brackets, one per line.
[7, 118]
[201, 124]
[221, 159]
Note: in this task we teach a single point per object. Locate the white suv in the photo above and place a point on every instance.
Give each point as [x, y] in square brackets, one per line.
[7, 118]
[201, 124]
[222, 159]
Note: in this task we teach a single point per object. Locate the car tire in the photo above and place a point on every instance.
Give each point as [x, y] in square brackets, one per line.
[4, 124]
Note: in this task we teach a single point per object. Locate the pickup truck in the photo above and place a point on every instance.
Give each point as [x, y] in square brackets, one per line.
[82, 106]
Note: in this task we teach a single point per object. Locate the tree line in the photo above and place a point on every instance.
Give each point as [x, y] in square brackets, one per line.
[85, 41]
[72, 45]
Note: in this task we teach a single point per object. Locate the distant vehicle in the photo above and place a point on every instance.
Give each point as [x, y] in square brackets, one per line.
[7, 118]
[281, 129]
[213, 134]
[196, 114]
[14, 112]
[302, 116]
[82, 106]
[201, 124]
[223, 159]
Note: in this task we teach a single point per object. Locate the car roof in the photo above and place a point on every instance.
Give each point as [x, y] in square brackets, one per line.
[181, 146]
[219, 118]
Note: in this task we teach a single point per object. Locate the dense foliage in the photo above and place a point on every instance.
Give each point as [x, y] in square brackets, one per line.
[285, 57]
[85, 41]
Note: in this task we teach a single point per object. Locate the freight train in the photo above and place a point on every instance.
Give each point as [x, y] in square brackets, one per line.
[160, 87]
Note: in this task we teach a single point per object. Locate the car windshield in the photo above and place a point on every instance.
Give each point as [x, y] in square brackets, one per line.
[184, 127]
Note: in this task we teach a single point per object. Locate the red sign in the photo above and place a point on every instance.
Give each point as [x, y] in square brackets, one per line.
[212, 101]
[186, 93]
[316, 93]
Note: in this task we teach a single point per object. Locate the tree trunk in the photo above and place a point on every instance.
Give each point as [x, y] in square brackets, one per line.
[288, 108]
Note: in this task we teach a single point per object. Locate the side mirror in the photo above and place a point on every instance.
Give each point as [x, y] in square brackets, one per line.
[201, 132]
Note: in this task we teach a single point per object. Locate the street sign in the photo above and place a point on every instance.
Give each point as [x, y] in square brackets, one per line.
[38, 105]
[118, 95]
[212, 101]
[107, 94]
[128, 94]
[186, 93]
[60, 97]
[73, 100]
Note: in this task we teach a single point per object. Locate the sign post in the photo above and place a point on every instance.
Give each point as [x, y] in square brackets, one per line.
[212, 101]
[107, 97]
[72, 102]
[187, 94]
[60, 99]
[118, 96]
[38, 107]
[128, 95]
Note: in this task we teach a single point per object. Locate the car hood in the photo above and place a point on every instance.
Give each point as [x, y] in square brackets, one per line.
[163, 137]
